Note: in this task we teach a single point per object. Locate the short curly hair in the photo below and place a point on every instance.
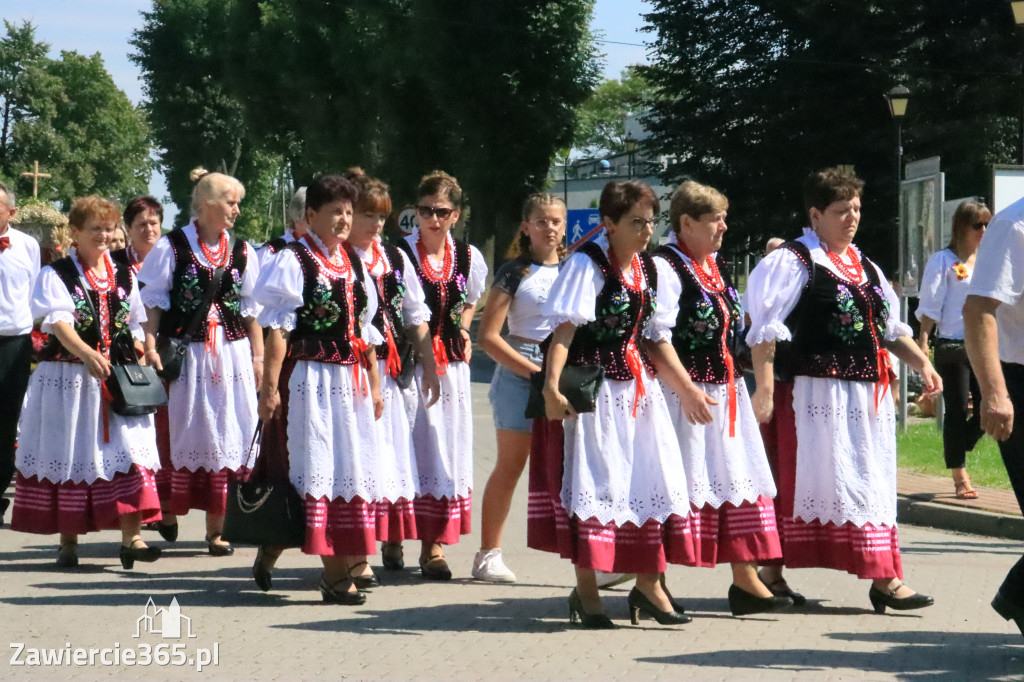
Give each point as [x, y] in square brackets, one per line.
[93, 206]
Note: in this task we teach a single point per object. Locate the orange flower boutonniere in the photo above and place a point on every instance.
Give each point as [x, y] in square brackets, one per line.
[961, 271]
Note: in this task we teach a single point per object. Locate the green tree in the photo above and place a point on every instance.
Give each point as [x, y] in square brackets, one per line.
[601, 128]
[94, 142]
[754, 94]
[27, 91]
[198, 120]
[400, 87]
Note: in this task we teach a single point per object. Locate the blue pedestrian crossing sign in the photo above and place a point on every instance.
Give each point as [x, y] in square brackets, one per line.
[583, 225]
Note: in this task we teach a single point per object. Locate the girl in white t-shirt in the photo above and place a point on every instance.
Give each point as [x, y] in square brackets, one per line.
[517, 295]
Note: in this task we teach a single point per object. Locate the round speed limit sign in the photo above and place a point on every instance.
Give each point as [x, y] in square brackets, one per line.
[407, 220]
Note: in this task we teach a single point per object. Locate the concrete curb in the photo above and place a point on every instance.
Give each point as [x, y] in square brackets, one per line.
[959, 519]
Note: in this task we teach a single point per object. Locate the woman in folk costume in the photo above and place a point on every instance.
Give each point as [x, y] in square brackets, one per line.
[212, 406]
[622, 505]
[91, 469]
[452, 275]
[401, 318]
[321, 391]
[833, 429]
[698, 318]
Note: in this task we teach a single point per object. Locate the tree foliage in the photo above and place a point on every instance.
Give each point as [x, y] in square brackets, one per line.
[485, 91]
[68, 115]
[601, 127]
[754, 94]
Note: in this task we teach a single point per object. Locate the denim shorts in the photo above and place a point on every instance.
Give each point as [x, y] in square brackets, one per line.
[509, 391]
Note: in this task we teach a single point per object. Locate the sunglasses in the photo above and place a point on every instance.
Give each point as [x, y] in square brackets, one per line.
[431, 211]
[979, 225]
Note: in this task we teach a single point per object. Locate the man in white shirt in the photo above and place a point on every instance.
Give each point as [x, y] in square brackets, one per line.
[19, 267]
[994, 331]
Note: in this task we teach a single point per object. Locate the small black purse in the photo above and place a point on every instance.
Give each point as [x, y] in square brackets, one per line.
[134, 389]
[578, 383]
[262, 513]
[407, 356]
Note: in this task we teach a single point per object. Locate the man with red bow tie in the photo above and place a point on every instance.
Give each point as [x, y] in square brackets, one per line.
[19, 267]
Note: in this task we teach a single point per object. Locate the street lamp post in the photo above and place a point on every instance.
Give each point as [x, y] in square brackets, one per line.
[1018, 17]
[630, 149]
[898, 97]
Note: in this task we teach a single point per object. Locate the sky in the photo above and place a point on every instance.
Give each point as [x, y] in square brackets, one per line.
[105, 26]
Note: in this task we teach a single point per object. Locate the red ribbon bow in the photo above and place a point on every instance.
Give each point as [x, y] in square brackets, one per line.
[636, 368]
[5, 243]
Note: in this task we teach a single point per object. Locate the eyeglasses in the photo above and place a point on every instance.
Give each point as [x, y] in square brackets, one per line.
[640, 223]
[431, 211]
[979, 225]
[544, 223]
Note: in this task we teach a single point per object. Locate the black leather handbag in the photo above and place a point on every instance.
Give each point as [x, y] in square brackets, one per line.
[134, 389]
[264, 513]
[578, 383]
[172, 350]
[407, 356]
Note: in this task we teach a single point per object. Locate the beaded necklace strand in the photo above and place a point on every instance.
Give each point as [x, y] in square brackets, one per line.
[102, 285]
[219, 257]
[440, 278]
[633, 361]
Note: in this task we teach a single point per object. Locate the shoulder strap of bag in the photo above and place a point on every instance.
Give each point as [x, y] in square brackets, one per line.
[197, 316]
[95, 316]
[252, 446]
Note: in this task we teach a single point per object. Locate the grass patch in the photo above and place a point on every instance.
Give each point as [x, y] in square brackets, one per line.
[920, 450]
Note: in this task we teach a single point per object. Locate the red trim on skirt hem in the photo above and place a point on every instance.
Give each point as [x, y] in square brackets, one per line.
[43, 507]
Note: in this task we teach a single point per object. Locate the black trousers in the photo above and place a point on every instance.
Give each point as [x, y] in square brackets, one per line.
[1012, 450]
[960, 431]
[15, 361]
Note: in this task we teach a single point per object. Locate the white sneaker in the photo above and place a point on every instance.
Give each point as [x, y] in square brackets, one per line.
[488, 566]
[606, 580]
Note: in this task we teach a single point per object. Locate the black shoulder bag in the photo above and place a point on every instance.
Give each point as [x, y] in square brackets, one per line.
[261, 513]
[172, 351]
[134, 389]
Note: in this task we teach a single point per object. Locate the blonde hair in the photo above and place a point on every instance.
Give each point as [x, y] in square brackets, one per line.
[210, 187]
[520, 246]
[694, 199]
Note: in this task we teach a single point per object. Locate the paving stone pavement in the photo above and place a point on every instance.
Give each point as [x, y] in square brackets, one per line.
[409, 629]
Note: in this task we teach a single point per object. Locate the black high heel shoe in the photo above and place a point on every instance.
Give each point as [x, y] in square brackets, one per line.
[333, 595]
[879, 600]
[596, 621]
[67, 555]
[168, 531]
[129, 555]
[363, 582]
[260, 572]
[1009, 611]
[742, 603]
[639, 603]
[217, 549]
[780, 588]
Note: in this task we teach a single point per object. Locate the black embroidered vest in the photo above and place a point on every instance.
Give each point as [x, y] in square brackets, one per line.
[449, 320]
[837, 326]
[390, 294]
[122, 345]
[275, 245]
[697, 335]
[123, 259]
[188, 289]
[604, 341]
[321, 331]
